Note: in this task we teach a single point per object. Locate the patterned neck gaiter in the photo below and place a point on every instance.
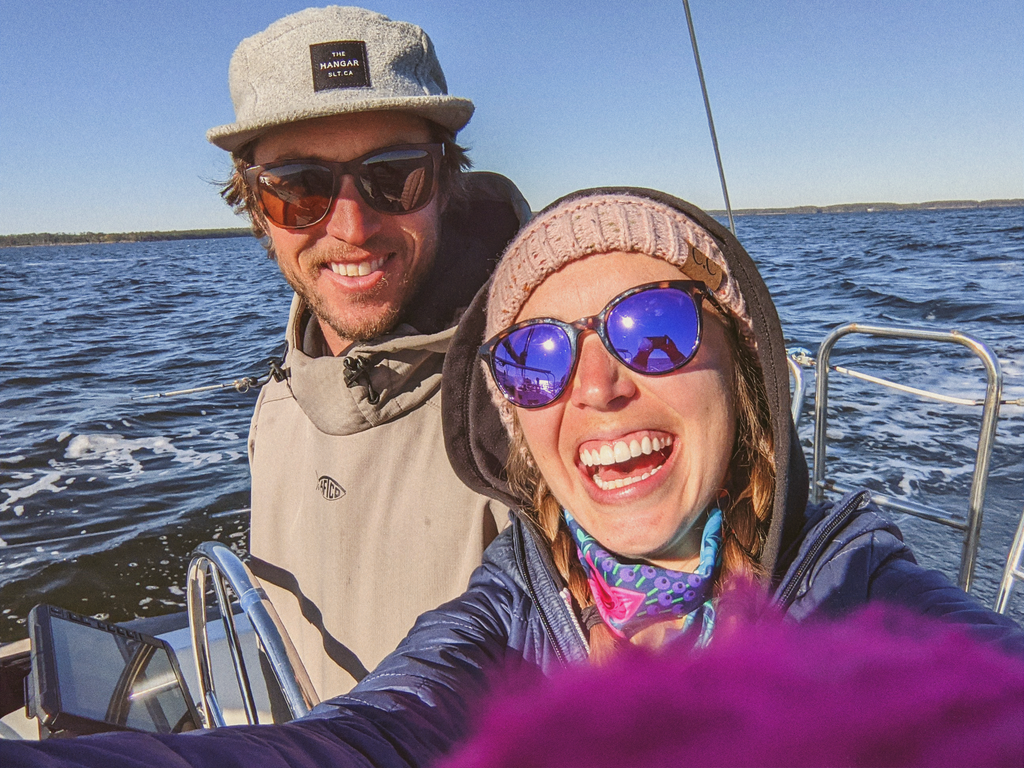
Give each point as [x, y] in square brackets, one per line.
[632, 596]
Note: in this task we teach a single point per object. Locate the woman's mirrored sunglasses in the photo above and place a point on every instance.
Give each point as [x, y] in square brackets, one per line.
[392, 180]
[652, 329]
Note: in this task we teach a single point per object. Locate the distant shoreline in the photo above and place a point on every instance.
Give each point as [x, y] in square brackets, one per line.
[84, 238]
[90, 238]
[934, 205]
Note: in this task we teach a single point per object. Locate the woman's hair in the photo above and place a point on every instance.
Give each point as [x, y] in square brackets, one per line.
[746, 502]
[240, 197]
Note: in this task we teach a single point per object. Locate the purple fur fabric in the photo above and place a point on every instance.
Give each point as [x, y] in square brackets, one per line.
[878, 689]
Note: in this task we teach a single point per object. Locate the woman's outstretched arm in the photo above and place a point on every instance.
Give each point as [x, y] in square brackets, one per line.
[408, 712]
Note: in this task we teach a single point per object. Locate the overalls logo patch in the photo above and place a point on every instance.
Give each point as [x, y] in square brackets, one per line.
[329, 488]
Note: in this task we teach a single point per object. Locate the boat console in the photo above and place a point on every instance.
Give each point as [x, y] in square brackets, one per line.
[225, 664]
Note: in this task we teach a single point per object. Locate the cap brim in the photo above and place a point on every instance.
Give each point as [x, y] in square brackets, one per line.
[451, 112]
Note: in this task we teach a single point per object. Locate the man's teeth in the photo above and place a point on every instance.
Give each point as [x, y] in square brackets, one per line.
[620, 451]
[358, 269]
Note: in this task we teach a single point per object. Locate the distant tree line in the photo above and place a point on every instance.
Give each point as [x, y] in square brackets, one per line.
[48, 238]
[934, 205]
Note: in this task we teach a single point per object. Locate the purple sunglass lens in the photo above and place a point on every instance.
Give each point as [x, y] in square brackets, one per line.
[655, 330]
[532, 364]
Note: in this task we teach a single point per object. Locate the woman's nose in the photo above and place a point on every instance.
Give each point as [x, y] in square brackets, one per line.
[600, 380]
[350, 219]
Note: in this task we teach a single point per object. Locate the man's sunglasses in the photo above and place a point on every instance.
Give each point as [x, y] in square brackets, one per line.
[652, 329]
[392, 180]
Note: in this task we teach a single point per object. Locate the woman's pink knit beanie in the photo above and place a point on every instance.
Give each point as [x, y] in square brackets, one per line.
[604, 223]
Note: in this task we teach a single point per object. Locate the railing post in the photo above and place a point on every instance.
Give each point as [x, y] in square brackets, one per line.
[796, 358]
[821, 411]
[196, 600]
[986, 437]
[223, 565]
[1012, 573]
[986, 440]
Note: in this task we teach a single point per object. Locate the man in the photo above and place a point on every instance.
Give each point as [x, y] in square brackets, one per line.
[346, 163]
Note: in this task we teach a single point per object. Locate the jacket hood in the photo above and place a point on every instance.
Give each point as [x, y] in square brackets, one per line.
[371, 383]
[478, 444]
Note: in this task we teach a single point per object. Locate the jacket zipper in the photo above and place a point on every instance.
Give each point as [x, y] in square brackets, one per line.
[576, 623]
[519, 549]
[837, 521]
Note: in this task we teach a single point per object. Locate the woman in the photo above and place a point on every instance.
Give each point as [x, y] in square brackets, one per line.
[632, 407]
[724, 408]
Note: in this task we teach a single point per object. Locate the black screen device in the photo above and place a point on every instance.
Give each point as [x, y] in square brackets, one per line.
[89, 676]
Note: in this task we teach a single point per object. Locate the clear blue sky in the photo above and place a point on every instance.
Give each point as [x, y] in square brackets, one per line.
[104, 105]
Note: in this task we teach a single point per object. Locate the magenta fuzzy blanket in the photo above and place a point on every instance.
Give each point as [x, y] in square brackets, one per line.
[878, 689]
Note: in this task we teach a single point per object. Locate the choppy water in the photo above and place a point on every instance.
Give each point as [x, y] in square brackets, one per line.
[942, 270]
[103, 497]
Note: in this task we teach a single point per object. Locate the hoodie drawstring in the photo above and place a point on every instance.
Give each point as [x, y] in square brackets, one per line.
[356, 367]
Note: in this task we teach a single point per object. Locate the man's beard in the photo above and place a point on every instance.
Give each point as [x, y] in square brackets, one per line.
[375, 322]
[362, 328]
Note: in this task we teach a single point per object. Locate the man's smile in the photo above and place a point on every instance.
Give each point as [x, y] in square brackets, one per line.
[359, 268]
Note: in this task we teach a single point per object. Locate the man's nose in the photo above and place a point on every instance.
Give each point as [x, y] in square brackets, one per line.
[600, 380]
[350, 219]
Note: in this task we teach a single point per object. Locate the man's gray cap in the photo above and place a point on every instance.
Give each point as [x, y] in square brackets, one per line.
[335, 61]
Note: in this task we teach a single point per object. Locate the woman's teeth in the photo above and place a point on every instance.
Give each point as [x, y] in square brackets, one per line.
[358, 269]
[621, 451]
[622, 482]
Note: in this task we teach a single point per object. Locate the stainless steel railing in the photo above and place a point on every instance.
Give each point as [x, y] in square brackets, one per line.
[970, 526]
[217, 562]
[798, 358]
[1013, 572]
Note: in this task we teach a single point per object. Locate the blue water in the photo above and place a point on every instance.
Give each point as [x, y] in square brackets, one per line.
[103, 497]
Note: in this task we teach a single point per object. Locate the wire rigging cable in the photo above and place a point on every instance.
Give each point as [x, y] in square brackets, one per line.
[707, 108]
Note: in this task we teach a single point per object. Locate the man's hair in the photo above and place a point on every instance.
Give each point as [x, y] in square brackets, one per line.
[237, 194]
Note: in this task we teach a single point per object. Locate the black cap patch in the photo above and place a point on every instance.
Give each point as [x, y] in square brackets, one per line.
[340, 64]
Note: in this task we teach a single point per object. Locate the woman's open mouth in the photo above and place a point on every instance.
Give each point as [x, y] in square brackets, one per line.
[617, 464]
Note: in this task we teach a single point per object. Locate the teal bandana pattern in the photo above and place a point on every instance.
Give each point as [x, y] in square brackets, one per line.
[632, 596]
